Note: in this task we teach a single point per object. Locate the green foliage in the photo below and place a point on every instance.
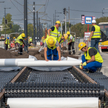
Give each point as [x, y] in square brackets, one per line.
[30, 30]
[16, 28]
[80, 28]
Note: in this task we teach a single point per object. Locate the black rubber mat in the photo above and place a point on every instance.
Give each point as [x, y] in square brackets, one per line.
[51, 77]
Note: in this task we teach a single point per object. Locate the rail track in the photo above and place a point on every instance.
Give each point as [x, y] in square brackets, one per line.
[71, 82]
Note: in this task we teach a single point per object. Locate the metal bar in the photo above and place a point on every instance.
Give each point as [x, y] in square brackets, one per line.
[34, 22]
[25, 25]
[83, 74]
[37, 23]
[17, 76]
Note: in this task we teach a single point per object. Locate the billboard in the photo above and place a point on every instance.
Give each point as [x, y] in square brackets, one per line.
[87, 19]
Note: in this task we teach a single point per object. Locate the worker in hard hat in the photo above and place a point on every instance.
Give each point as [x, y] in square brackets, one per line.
[70, 37]
[61, 38]
[51, 48]
[91, 60]
[30, 41]
[53, 31]
[20, 41]
[7, 43]
[95, 35]
[44, 37]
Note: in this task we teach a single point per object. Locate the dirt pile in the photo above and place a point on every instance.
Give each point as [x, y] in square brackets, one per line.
[5, 54]
[64, 48]
[33, 52]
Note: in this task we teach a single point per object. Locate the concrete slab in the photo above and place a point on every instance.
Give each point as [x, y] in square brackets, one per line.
[104, 69]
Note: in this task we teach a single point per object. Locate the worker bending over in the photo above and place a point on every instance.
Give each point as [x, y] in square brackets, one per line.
[70, 43]
[61, 39]
[53, 31]
[30, 41]
[91, 60]
[20, 41]
[51, 48]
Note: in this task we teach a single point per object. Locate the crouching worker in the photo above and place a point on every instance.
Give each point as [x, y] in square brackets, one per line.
[91, 60]
[51, 49]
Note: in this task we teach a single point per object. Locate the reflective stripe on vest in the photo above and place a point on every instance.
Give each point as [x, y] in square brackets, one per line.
[69, 38]
[18, 40]
[46, 40]
[97, 33]
[54, 33]
[98, 57]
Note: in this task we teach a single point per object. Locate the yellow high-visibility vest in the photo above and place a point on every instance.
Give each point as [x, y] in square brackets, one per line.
[98, 57]
[97, 33]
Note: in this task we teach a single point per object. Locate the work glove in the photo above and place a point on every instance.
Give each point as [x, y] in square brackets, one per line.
[84, 64]
[80, 66]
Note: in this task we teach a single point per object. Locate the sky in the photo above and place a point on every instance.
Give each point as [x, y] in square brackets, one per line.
[77, 8]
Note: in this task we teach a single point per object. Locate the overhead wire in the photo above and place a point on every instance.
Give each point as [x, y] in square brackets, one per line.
[15, 6]
[85, 11]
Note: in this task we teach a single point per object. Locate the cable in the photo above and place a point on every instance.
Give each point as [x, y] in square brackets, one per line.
[21, 5]
[16, 7]
[18, 3]
[86, 11]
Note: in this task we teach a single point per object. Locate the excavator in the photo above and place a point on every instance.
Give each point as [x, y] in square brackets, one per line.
[103, 44]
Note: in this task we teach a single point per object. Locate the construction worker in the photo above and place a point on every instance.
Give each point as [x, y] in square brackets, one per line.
[51, 47]
[73, 41]
[20, 41]
[91, 60]
[53, 31]
[95, 35]
[7, 43]
[29, 40]
[70, 43]
[44, 37]
[61, 38]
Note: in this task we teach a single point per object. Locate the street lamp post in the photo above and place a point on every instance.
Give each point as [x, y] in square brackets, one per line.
[5, 19]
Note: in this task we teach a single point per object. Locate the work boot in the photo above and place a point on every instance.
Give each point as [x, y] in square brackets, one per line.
[98, 69]
[73, 52]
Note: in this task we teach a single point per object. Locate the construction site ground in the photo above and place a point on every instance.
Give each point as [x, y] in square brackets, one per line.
[13, 53]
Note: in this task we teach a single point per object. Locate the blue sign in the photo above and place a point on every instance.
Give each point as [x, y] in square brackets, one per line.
[88, 20]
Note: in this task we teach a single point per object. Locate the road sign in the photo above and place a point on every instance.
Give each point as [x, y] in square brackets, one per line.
[86, 36]
[87, 19]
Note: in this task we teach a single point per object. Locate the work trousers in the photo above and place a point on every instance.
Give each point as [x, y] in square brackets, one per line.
[53, 53]
[95, 42]
[93, 66]
[20, 49]
[71, 46]
[6, 46]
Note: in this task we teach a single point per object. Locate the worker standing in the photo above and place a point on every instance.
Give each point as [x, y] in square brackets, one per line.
[7, 43]
[51, 48]
[91, 60]
[20, 41]
[95, 35]
[53, 31]
[73, 41]
[70, 43]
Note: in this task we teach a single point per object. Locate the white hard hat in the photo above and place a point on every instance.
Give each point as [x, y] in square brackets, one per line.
[93, 21]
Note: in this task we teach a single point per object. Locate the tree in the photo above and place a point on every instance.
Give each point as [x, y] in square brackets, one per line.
[30, 30]
[16, 28]
[9, 23]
